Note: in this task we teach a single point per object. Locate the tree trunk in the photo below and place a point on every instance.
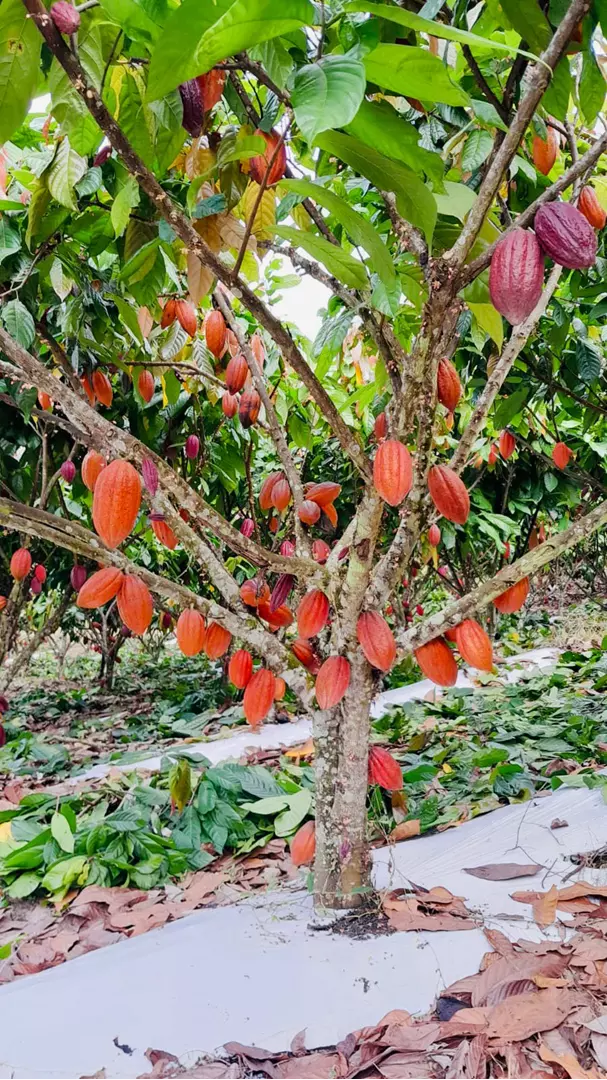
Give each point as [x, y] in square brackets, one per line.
[341, 868]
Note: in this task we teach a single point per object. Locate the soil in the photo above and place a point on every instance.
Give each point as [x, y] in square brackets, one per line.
[364, 923]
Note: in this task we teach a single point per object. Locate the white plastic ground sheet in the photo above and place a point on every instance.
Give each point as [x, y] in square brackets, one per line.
[259, 972]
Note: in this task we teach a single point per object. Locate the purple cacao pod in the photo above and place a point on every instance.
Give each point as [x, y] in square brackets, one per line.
[68, 471]
[516, 275]
[102, 155]
[287, 548]
[150, 476]
[78, 576]
[65, 17]
[35, 586]
[248, 527]
[3, 705]
[192, 447]
[281, 590]
[565, 235]
[193, 113]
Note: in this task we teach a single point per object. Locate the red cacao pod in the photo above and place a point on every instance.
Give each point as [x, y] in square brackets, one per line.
[65, 17]
[332, 681]
[516, 275]
[437, 662]
[169, 313]
[192, 447]
[78, 576]
[92, 465]
[68, 471]
[281, 590]
[544, 151]
[392, 471]
[491, 460]
[376, 640]
[449, 494]
[330, 512]
[191, 100]
[259, 166]
[565, 235]
[561, 455]
[474, 645]
[281, 494]
[306, 655]
[215, 332]
[265, 491]
[164, 534]
[320, 551]
[145, 385]
[232, 342]
[590, 207]
[507, 444]
[217, 641]
[434, 535]
[102, 388]
[149, 473]
[448, 385]
[259, 696]
[229, 405]
[308, 512]
[190, 632]
[280, 688]
[135, 605]
[100, 587]
[513, 598]
[254, 592]
[240, 668]
[102, 156]
[185, 313]
[275, 617]
[35, 586]
[236, 373]
[40, 573]
[258, 350]
[380, 426]
[287, 548]
[312, 613]
[116, 502]
[303, 845]
[44, 401]
[248, 408]
[3, 704]
[88, 389]
[384, 769]
[322, 494]
[3, 602]
[248, 527]
[21, 564]
[211, 87]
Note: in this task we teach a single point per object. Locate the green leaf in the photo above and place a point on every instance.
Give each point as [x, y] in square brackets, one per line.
[65, 872]
[170, 135]
[407, 70]
[437, 29]
[138, 18]
[477, 148]
[332, 333]
[337, 261]
[10, 241]
[457, 200]
[299, 807]
[528, 19]
[22, 886]
[414, 200]
[560, 88]
[20, 44]
[62, 832]
[275, 59]
[61, 282]
[588, 360]
[136, 118]
[19, 323]
[550, 481]
[235, 148]
[180, 783]
[259, 782]
[214, 204]
[206, 797]
[271, 805]
[378, 124]
[357, 227]
[67, 106]
[125, 201]
[509, 407]
[490, 321]
[187, 833]
[591, 89]
[37, 209]
[199, 35]
[327, 94]
[65, 172]
[485, 111]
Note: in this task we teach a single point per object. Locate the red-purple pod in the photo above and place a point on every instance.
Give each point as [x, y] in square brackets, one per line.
[68, 471]
[248, 527]
[192, 447]
[78, 576]
[150, 476]
[287, 548]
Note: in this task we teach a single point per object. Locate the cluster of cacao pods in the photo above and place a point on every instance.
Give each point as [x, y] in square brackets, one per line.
[198, 97]
[21, 565]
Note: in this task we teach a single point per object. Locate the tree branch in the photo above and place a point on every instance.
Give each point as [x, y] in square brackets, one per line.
[483, 85]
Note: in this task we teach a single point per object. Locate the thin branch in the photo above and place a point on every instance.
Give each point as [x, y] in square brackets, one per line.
[59, 355]
[260, 194]
[483, 85]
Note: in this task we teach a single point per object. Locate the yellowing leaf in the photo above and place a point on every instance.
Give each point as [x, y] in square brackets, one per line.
[208, 229]
[301, 217]
[145, 321]
[180, 783]
[198, 160]
[304, 750]
[490, 321]
[265, 213]
[200, 279]
[5, 832]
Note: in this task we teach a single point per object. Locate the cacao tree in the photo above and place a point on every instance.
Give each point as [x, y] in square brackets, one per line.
[439, 172]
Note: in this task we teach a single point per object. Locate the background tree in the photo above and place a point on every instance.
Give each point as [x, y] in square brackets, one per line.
[387, 154]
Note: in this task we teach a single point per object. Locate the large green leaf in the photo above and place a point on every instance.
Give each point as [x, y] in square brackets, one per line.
[437, 29]
[170, 135]
[19, 323]
[10, 240]
[299, 806]
[379, 125]
[136, 117]
[20, 45]
[138, 18]
[358, 228]
[591, 89]
[407, 70]
[200, 34]
[556, 98]
[528, 19]
[337, 261]
[328, 93]
[67, 106]
[509, 407]
[65, 172]
[457, 200]
[476, 150]
[415, 201]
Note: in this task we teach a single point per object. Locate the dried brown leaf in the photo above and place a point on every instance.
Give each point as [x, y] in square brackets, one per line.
[544, 908]
[503, 871]
[406, 830]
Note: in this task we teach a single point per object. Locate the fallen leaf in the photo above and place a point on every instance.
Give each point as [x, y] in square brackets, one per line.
[406, 830]
[556, 1048]
[503, 871]
[544, 908]
[303, 750]
[559, 823]
[518, 1018]
[311, 1067]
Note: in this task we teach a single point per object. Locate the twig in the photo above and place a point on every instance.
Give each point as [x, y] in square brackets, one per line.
[257, 204]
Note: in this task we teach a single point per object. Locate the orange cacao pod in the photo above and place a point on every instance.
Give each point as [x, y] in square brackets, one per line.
[116, 502]
[544, 151]
[281, 494]
[211, 87]
[392, 471]
[185, 313]
[240, 668]
[92, 464]
[229, 405]
[215, 332]
[88, 389]
[265, 491]
[257, 348]
[491, 460]
[308, 512]
[449, 494]
[232, 342]
[100, 587]
[254, 592]
[312, 613]
[259, 696]
[380, 426]
[280, 688]
[437, 662]
[236, 373]
[190, 632]
[102, 387]
[384, 769]
[376, 640]
[169, 313]
[217, 641]
[21, 564]
[330, 511]
[303, 844]
[306, 655]
[561, 455]
[434, 535]
[474, 645]
[332, 681]
[448, 385]
[164, 534]
[280, 616]
[507, 444]
[324, 493]
[513, 598]
[516, 275]
[258, 166]
[3, 602]
[135, 605]
[248, 408]
[451, 635]
[44, 401]
[590, 207]
[145, 385]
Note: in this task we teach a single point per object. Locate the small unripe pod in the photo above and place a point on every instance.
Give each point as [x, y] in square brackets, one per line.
[68, 471]
[65, 17]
